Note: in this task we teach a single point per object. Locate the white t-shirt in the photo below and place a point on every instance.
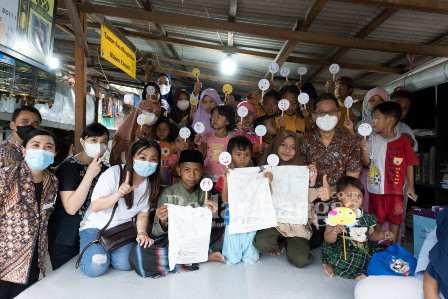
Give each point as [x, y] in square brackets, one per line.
[108, 183]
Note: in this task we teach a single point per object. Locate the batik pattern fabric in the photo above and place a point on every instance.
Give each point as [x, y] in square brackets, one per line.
[23, 223]
[10, 152]
[342, 155]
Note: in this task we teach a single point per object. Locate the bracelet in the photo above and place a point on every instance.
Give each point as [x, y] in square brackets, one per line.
[143, 233]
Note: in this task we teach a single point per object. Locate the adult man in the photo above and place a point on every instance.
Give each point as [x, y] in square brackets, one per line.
[24, 120]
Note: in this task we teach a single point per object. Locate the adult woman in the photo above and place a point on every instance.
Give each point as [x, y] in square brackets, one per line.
[130, 131]
[77, 177]
[134, 197]
[27, 192]
[166, 90]
[182, 112]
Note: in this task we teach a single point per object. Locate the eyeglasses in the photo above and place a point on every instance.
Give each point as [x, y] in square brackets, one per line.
[332, 112]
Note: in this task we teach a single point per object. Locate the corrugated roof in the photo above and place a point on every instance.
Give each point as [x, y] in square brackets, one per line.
[335, 19]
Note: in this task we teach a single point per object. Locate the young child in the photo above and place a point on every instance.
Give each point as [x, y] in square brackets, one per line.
[294, 237]
[166, 132]
[208, 101]
[237, 247]
[390, 159]
[373, 97]
[360, 239]
[212, 144]
[271, 131]
[245, 126]
[270, 103]
[181, 144]
[290, 121]
[404, 99]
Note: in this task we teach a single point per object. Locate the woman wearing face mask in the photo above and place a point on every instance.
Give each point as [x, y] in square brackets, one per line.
[135, 196]
[26, 200]
[77, 177]
[181, 111]
[166, 90]
[130, 130]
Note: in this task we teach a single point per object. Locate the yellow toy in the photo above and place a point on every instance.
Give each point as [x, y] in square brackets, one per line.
[342, 216]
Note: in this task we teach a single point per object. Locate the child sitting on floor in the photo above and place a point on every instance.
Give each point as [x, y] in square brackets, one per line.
[237, 247]
[360, 239]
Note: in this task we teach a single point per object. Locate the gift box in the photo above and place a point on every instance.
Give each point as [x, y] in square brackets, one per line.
[424, 222]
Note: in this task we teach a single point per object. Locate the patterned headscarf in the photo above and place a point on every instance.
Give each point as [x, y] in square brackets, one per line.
[367, 116]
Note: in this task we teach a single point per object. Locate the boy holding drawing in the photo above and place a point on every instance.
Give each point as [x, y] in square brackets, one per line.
[237, 247]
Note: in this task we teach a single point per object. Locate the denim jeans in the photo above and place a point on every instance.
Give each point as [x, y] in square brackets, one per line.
[96, 261]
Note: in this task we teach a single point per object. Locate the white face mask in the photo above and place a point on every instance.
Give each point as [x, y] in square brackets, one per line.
[164, 89]
[327, 123]
[151, 118]
[183, 104]
[93, 149]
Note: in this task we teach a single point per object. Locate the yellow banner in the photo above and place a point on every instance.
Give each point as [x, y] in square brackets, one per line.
[117, 52]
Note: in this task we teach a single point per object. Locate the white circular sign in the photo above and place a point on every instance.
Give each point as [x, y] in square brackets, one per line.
[283, 105]
[263, 84]
[150, 90]
[206, 184]
[284, 71]
[303, 98]
[334, 68]
[242, 111]
[199, 127]
[225, 158]
[273, 68]
[364, 129]
[260, 130]
[348, 102]
[302, 71]
[141, 119]
[184, 132]
[273, 160]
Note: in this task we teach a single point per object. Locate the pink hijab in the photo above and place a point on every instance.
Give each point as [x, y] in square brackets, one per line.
[201, 115]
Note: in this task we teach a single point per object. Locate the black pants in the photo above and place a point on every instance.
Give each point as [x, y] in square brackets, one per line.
[61, 254]
[10, 290]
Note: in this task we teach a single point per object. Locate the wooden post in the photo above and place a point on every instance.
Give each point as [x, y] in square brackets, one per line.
[80, 86]
[96, 86]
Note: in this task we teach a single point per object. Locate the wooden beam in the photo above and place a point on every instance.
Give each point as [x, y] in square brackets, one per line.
[221, 80]
[77, 26]
[66, 30]
[232, 15]
[431, 6]
[146, 5]
[252, 53]
[264, 31]
[289, 45]
[80, 83]
[366, 31]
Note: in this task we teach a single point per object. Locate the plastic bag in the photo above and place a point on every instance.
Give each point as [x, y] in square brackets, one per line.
[394, 261]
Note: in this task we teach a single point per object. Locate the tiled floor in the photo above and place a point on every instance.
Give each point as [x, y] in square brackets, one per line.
[272, 277]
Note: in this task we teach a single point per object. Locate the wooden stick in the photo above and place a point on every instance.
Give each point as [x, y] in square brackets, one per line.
[197, 79]
[206, 195]
[261, 140]
[282, 112]
[272, 77]
[345, 248]
[300, 78]
[334, 76]
[348, 112]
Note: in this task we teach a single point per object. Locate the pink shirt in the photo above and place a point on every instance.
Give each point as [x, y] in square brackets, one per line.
[215, 146]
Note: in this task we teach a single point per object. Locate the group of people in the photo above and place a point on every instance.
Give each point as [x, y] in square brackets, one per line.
[65, 207]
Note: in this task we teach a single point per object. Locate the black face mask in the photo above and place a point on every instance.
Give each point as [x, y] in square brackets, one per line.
[22, 131]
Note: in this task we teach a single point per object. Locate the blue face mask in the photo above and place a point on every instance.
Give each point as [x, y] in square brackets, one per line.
[38, 159]
[144, 168]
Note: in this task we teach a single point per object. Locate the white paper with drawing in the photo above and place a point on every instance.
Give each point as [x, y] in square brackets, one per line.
[250, 201]
[188, 234]
[290, 193]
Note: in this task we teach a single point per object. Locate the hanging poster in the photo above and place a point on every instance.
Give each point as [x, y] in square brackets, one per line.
[26, 30]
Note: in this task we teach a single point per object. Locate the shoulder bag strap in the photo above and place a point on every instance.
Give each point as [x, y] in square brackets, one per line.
[97, 240]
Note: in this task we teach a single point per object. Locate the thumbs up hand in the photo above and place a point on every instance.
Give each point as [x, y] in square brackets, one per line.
[324, 192]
